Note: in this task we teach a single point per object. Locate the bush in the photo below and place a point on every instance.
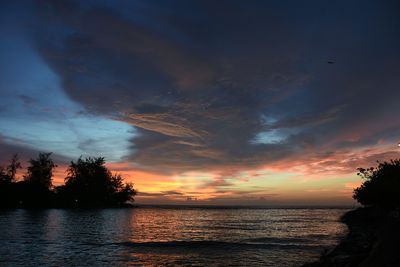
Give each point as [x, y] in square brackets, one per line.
[40, 171]
[89, 183]
[382, 185]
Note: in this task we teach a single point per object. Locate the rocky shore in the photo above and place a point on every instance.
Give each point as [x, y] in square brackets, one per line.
[373, 240]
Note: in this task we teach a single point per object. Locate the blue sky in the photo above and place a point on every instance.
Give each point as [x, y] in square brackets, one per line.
[36, 112]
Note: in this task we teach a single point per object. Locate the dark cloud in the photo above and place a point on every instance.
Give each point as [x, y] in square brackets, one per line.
[162, 194]
[7, 149]
[27, 100]
[202, 79]
[216, 183]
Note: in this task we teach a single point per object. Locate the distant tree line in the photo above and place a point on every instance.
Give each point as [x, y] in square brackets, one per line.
[381, 187]
[89, 183]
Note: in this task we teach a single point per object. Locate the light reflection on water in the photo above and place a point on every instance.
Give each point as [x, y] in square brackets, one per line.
[160, 236]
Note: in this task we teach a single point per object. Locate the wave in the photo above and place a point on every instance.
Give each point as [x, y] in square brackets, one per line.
[235, 227]
[279, 240]
[310, 238]
[214, 245]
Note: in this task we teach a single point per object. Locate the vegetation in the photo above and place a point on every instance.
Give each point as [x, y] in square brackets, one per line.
[40, 171]
[381, 187]
[89, 183]
[8, 173]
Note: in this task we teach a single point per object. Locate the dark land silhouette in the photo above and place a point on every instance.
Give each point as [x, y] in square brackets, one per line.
[381, 187]
[374, 229]
[88, 184]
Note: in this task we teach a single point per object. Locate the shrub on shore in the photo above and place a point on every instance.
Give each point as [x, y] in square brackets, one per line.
[381, 187]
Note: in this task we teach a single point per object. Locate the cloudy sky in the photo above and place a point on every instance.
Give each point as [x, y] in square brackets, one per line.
[207, 102]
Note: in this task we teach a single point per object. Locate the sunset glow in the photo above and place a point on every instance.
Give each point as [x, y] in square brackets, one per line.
[263, 105]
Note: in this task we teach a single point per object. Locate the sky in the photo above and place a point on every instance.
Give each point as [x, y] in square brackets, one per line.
[205, 102]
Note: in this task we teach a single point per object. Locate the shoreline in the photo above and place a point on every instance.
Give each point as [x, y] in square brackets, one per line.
[372, 240]
[61, 207]
[172, 206]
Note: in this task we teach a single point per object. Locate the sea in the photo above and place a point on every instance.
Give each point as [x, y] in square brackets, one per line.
[168, 236]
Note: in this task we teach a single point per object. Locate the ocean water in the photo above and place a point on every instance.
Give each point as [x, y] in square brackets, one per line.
[150, 236]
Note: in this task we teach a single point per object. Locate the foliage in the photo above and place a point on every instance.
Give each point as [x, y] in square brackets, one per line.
[381, 186]
[3, 175]
[7, 181]
[40, 171]
[90, 183]
[13, 167]
[7, 174]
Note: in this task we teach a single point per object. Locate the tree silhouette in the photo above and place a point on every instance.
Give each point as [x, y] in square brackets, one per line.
[5, 185]
[7, 174]
[40, 171]
[7, 182]
[90, 183]
[35, 190]
[382, 185]
[12, 168]
[3, 175]
[122, 192]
